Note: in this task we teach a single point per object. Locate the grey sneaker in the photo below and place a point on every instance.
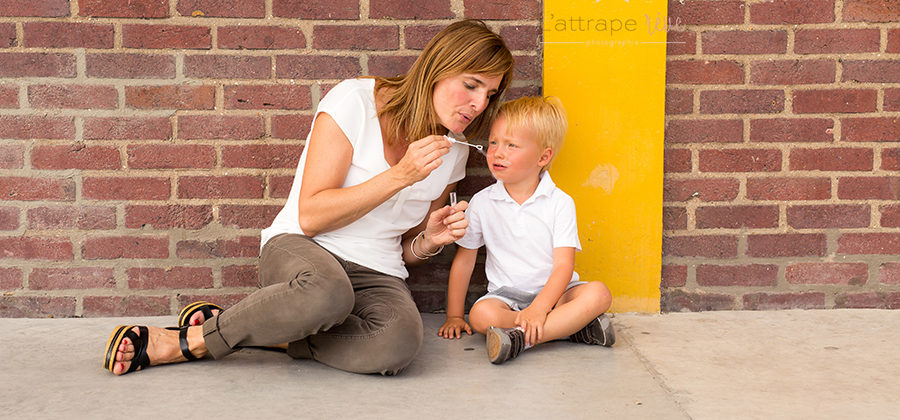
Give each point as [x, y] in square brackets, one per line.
[598, 332]
[504, 344]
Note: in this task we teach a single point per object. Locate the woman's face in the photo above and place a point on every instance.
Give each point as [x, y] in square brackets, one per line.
[461, 98]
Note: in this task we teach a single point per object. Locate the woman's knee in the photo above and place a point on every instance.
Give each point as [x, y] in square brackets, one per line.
[396, 345]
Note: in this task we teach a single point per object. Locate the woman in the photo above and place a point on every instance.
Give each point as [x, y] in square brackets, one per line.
[368, 198]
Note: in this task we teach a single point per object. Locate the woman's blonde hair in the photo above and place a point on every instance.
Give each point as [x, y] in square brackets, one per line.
[544, 118]
[467, 46]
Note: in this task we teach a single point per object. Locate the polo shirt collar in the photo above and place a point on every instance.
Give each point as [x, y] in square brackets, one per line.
[544, 188]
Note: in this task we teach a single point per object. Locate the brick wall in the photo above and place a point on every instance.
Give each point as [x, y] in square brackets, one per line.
[782, 157]
[144, 144]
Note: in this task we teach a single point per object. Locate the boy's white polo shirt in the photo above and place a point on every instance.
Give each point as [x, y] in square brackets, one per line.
[520, 239]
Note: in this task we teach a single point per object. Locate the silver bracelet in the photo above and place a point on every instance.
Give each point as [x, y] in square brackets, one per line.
[412, 247]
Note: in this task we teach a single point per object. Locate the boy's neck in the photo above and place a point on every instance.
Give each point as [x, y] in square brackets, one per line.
[521, 191]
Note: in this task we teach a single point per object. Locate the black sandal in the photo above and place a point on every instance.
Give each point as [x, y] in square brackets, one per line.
[140, 360]
[204, 307]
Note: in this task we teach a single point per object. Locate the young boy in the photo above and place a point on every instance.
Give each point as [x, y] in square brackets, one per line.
[529, 229]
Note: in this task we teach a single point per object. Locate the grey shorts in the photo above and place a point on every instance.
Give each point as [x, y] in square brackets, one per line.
[518, 299]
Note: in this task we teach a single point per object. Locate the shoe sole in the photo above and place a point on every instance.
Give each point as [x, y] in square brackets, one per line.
[606, 332]
[498, 344]
[112, 345]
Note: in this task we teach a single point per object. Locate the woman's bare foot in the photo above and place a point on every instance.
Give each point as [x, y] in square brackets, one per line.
[198, 318]
[162, 348]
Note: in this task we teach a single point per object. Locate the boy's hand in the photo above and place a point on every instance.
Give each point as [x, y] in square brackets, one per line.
[453, 327]
[532, 321]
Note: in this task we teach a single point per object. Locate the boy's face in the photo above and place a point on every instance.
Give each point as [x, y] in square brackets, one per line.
[514, 157]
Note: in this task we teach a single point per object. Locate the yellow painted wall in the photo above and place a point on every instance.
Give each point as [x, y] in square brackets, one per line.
[605, 59]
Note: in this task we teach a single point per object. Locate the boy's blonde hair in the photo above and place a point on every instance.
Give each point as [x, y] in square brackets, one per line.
[544, 117]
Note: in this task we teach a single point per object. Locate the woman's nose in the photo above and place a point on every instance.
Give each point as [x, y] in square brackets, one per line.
[479, 103]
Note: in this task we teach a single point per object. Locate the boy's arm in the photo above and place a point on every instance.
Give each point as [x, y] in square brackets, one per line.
[532, 318]
[460, 274]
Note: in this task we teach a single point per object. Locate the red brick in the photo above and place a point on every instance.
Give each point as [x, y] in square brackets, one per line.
[744, 42]
[869, 243]
[836, 41]
[280, 186]
[740, 160]
[677, 160]
[741, 101]
[303, 9]
[831, 159]
[870, 129]
[36, 307]
[170, 97]
[417, 36]
[871, 11]
[10, 278]
[502, 9]
[710, 189]
[129, 9]
[704, 72]
[37, 65]
[352, 37]
[737, 275]
[791, 130]
[679, 101]
[869, 188]
[390, 66]
[701, 12]
[167, 36]
[890, 216]
[792, 12]
[785, 189]
[521, 37]
[828, 216]
[710, 246]
[871, 300]
[67, 35]
[892, 99]
[889, 273]
[240, 276]
[36, 248]
[32, 127]
[876, 71]
[12, 156]
[409, 9]
[261, 156]
[222, 8]
[224, 186]
[125, 188]
[171, 156]
[8, 37]
[674, 275]
[261, 37]
[220, 127]
[780, 301]
[316, 67]
[72, 278]
[704, 131]
[786, 245]
[792, 72]
[73, 96]
[127, 128]
[118, 247]
[247, 217]
[79, 217]
[169, 277]
[9, 220]
[9, 96]
[890, 159]
[240, 247]
[676, 300]
[168, 216]
[291, 126]
[267, 97]
[43, 8]
[681, 43]
[893, 41]
[674, 218]
[527, 67]
[36, 189]
[835, 100]
[227, 67]
[521, 91]
[75, 156]
[131, 66]
[130, 306]
[735, 217]
[854, 274]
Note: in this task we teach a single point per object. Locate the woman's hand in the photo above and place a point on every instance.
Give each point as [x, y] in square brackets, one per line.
[445, 226]
[422, 157]
[453, 327]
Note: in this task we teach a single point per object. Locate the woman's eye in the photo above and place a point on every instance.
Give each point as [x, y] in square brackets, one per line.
[468, 86]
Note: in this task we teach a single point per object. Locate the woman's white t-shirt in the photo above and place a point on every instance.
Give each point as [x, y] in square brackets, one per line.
[374, 239]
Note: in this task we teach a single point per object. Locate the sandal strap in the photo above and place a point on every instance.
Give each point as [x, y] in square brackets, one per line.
[140, 360]
[183, 343]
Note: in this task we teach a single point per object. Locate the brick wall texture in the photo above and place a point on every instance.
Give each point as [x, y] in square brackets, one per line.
[144, 144]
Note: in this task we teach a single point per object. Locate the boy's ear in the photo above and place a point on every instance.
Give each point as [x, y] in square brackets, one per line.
[546, 156]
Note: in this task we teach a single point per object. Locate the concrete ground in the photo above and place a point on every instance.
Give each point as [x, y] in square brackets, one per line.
[710, 365]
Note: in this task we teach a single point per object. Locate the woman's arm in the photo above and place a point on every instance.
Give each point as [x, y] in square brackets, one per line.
[326, 206]
[442, 226]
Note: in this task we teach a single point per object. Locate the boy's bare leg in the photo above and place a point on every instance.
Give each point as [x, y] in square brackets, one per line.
[576, 308]
[491, 313]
